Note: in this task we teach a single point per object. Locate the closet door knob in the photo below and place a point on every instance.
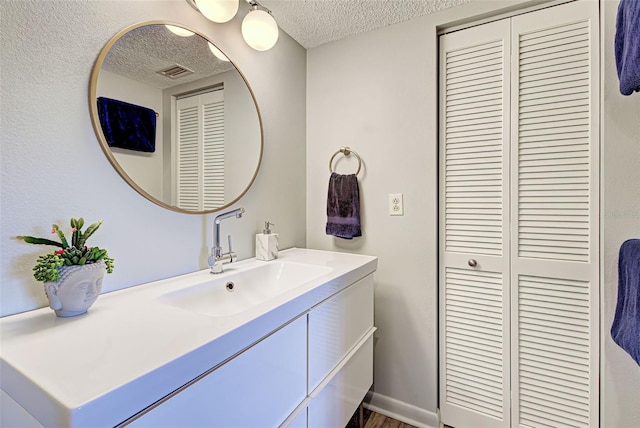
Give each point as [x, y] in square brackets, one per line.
[473, 263]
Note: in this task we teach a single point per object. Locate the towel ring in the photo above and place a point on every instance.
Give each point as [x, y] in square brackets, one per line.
[345, 151]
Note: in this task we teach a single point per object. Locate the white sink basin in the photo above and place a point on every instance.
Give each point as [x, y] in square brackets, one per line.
[233, 293]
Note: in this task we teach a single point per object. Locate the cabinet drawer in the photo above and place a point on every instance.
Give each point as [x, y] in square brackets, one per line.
[299, 421]
[258, 388]
[339, 399]
[336, 326]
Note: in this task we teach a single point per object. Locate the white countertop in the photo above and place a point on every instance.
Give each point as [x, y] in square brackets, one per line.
[131, 349]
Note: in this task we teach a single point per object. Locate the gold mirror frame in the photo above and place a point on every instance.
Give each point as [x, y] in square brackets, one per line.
[95, 119]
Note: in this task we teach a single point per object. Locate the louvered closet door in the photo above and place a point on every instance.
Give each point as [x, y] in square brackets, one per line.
[474, 300]
[554, 216]
[199, 149]
[187, 150]
[213, 150]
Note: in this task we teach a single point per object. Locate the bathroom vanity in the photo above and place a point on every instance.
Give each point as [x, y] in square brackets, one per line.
[287, 342]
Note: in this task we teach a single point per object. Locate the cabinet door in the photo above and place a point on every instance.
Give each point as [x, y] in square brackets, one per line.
[299, 421]
[340, 397]
[336, 326]
[13, 414]
[474, 233]
[554, 193]
[258, 388]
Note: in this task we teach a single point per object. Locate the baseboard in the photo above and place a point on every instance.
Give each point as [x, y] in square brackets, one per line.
[401, 411]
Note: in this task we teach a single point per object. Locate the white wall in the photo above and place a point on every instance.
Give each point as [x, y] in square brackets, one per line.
[371, 92]
[376, 92]
[52, 167]
[620, 377]
[145, 169]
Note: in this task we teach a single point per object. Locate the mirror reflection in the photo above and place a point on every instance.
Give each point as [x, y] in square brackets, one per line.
[176, 118]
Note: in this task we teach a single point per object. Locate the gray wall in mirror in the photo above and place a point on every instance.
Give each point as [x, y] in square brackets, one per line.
[129, 73]
[53, 168]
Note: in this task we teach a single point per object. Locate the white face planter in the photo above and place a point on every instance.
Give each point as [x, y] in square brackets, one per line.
[76, 290]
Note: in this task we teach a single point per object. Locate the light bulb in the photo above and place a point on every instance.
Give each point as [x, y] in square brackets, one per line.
[217, 53]
[260, 30]
[182, 32]
[218, 10]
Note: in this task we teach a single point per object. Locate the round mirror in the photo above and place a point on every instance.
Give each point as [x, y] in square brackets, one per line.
[175, 117]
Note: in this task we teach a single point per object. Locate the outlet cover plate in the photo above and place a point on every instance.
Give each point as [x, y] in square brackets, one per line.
[395, 204]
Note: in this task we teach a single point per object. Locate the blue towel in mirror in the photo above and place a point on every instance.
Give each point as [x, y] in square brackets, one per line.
[627, 46]
[625, 330]
[343, 206]
[127, 126]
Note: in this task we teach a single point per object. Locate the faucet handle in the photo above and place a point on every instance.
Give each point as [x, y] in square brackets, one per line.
[229, 239]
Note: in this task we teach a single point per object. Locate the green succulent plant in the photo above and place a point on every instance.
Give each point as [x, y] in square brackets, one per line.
[76, 253]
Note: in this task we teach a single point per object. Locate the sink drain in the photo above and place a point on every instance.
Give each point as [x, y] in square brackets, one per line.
[230, 286]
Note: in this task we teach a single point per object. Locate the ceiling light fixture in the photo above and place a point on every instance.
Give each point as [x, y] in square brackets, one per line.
[259, 28]
[219, 11]
[182, 32]
[217, 53]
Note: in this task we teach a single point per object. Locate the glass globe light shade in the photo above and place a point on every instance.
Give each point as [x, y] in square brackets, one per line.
[182, 32]
[217, 53]
[260, 30]
[219, 11]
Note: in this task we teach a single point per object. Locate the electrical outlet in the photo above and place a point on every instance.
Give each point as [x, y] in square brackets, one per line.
[395, 204]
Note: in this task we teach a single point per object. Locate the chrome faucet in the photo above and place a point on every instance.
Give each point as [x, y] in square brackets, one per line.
[218, 258]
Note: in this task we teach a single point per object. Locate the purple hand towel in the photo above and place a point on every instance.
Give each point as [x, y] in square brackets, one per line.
[343, 206]
[625, 330]
[627, 46]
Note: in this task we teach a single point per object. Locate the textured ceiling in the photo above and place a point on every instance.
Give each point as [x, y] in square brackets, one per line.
[315, 22]
[144, 51]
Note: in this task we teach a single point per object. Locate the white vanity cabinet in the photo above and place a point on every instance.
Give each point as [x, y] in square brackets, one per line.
[340, 355]
[336, 326]
[258, 388]
[297, 352]
[262, 386]
[334, 403]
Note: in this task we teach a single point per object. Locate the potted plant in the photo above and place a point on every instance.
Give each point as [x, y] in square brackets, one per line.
[73, 274]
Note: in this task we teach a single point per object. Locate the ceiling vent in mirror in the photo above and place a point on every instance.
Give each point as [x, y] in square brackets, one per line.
[175, 71]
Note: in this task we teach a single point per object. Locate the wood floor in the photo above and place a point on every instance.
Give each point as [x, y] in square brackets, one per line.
[376, 420]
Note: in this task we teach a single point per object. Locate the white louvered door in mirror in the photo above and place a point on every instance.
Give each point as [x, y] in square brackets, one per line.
[474, 300]
[554, 271]
[187, 150]
[519, 183]
[213, 141]
[199, 148]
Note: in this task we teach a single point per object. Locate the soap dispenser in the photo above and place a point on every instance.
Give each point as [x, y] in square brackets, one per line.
[267, 243]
